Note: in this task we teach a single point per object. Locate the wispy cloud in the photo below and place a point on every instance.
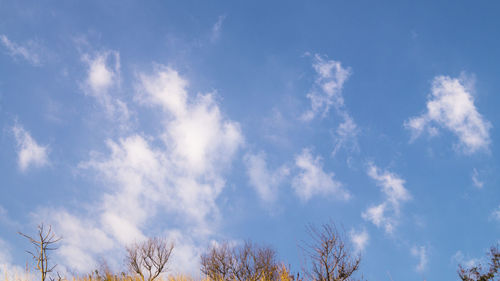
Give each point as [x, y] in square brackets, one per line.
[346, 134]
[451, 106]
[103, 76]
[386, 213]
[265, 181]
[313, 180]
[359, 239]
[464, 260]
[327, 88]
[496, 214]
[326, 93]
[29, 152]
[475, 179]
[28, 52]
[421, 254]
[216, 28]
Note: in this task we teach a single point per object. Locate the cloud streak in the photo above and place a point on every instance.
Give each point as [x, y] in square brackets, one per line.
[475, 179]
[27, 52]
[421, 254]
[216, 29]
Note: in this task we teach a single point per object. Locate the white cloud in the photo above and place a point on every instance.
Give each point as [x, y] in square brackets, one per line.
[451, 106]
[392, 185]
[359, 239]
[386, 213]
[327, 89]
[461, 259]
[178, 173]
[196, 133]
[475, 179]
[134, 170]
[264, 181]
[27, 52]
[187, 253]
[166, 88]
[29, 152]
[216, 28]
[376, 214]
[82, 240]
[313, 180]
[421, 254]
[103, 77]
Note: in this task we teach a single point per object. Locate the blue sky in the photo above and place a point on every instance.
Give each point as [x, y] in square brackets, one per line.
[231, 120]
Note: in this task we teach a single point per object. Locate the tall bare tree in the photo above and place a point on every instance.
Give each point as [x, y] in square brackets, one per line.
[477, 273]
[248, 262]
[329, 256]
[149, 258]
[43, 242]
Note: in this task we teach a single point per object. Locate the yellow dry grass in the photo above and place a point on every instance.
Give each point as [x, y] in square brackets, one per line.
[283, 275]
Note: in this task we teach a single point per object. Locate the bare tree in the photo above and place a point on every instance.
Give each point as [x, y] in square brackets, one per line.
[217, 262]
[329, 256]
[476, 273]
[149, 258]
[253, 263]
[43, 242]
[248, 262]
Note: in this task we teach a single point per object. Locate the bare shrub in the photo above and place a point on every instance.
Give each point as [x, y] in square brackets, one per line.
[248, 262]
